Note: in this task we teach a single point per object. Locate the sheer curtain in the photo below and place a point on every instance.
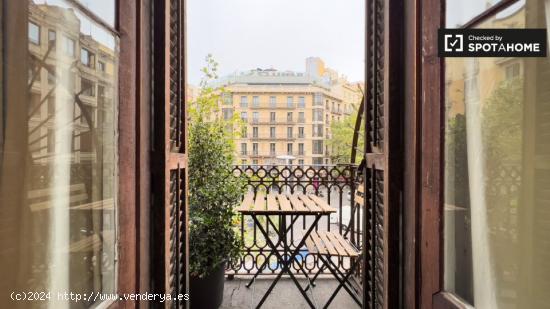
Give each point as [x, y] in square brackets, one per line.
[483, 275]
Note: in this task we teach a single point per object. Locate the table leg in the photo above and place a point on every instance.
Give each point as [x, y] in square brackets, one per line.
[286, 248]
[261, 268]
[285, 263]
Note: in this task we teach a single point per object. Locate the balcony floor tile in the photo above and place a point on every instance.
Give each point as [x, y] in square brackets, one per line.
[284, 295]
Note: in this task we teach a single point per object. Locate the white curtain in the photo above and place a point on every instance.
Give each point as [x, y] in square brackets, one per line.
[484, 280]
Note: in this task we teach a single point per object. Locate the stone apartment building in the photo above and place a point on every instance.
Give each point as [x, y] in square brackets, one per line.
[287, 115]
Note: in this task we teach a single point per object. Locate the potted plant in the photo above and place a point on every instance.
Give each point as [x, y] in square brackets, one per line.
[213, 193]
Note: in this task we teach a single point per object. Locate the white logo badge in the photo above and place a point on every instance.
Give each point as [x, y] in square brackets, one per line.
[454, 42]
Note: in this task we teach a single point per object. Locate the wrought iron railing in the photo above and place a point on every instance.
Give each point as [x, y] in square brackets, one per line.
[335, 183]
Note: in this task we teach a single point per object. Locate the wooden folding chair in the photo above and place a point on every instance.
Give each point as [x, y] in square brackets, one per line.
[331, 244]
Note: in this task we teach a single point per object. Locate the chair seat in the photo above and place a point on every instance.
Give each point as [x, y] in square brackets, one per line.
[330, 243]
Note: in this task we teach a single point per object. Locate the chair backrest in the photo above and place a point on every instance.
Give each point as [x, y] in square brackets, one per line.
[40, 199]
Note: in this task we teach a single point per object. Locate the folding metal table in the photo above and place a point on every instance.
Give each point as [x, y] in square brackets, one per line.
[282, 205]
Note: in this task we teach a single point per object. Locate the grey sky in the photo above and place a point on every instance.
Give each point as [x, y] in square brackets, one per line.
[246, 34]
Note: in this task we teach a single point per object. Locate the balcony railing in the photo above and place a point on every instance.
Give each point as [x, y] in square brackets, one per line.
[264, 105]
[334, 183]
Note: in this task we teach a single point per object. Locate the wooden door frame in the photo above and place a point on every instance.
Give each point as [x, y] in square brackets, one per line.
[424, 155]
[423, 168]
[169, 248]
[383, 152]
[133, 26]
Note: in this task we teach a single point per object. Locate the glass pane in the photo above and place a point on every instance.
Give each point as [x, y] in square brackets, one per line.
[105, 9]
[497, 172]
[461, 12]
[58, 164]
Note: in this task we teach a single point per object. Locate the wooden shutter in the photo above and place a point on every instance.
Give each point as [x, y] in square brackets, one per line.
[382, 176]
[170, 210]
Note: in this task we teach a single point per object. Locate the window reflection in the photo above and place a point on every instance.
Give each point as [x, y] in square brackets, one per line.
[497, 175]
[64, 216]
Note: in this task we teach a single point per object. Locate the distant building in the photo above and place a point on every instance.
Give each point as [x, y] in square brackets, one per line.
[287, 113]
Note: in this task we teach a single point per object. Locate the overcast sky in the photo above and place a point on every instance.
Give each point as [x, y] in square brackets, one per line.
[246, 34]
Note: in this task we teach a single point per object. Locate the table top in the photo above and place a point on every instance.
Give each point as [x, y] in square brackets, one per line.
[284, 204]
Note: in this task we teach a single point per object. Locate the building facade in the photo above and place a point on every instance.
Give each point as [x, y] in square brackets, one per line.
[287, 115]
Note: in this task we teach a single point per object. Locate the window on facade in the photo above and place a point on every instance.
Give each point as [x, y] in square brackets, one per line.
[255, 132]
[317, 130]
[301, 132]
[301, 149]
[243, 149]
[34, 33]
[317, 147]
[272, 149]
[227, 98]
[255, 117]
[289, 132]
[255, 149]
[51, 74]
[301, 117]
[87, 87]
[272, 132]
[496, 175]
[59, 215]
[52, 38]
[272, 116]
[256, 101]
[34, 103]
[87, 58]
[317, 161]
[301, 102]
[301, 162]
[244, 132]
[272, 101]
[290, 102]
[317, 99]
[289, 117]
[289, 149]
[317, 115]
[227, 113]
[101, 66]
[69, 46]
[34, 71]
[244, 102]
[244, 116]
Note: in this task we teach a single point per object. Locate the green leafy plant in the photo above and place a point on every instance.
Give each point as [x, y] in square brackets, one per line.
[341, 140]
[213, 190]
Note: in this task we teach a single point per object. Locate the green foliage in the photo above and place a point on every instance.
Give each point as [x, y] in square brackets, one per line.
[341, 141]
[213, 190]
[502, 124]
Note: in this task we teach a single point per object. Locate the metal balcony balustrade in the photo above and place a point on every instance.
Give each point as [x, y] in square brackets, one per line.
[276, 137]
[334, 183]
[265, 105]
[269, 121]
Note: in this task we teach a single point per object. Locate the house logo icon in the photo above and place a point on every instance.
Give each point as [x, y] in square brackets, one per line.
[454, 43]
